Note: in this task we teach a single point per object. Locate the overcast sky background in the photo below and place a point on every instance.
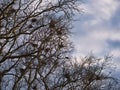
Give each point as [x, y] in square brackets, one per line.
[98, 30]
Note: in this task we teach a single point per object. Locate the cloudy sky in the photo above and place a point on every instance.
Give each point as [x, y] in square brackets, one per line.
[98, 30]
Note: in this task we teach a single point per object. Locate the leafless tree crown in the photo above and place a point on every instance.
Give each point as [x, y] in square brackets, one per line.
[35, 49]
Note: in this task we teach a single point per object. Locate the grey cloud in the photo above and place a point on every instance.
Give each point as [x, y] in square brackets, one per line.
[115, 19]
[113, 43]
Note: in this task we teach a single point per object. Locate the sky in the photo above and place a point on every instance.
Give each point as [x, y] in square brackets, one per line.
[98, 29]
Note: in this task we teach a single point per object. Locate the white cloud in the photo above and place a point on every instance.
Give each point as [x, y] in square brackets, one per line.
[103, 9]
[96, 28]
[106, 34]
[115, 53]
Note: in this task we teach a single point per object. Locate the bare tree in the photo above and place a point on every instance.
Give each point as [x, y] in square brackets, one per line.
[89, 73]
[35, 50]
[33, 41]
